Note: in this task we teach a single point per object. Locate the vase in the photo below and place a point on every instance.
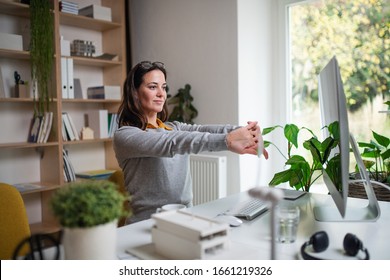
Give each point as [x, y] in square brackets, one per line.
[92, 243]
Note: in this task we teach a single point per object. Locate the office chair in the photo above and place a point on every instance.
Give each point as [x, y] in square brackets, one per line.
[118, 178]
[14, 226]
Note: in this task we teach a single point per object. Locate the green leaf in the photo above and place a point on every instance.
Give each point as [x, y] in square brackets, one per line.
[382, 140]
[266, 144]
[385, 155]
[291, 133]
[270, 129]
[366, 145]
[281, 177]
[313, 145]
[334, 130]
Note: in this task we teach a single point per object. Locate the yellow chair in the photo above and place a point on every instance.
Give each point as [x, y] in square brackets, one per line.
[118, 178]
[14, 226]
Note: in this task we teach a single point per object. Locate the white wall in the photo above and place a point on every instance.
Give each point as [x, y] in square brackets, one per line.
[256, 45]
[225, 50]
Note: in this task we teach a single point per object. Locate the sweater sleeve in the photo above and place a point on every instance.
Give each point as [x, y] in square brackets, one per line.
[211, 128]
[132, 142]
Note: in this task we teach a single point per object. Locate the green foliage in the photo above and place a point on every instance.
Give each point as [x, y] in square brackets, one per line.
[88, 203]
[376, 157]
[357, 32]
[41, 52]
[183, 110]
[302, 173]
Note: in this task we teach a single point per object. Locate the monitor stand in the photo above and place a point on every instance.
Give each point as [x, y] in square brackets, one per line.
[369, 213]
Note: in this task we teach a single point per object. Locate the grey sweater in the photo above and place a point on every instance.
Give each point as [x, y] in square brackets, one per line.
[155, 162]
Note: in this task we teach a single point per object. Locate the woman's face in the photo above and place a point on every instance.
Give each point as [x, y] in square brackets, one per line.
[152, 93]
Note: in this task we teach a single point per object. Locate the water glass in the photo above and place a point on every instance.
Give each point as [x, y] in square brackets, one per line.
[287, 220]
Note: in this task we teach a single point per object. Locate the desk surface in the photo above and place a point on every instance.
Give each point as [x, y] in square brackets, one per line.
[253, 237]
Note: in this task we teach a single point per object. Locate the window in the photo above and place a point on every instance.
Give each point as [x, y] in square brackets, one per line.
[358, 33]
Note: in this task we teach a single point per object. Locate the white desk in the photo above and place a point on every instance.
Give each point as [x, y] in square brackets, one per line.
[253, 237]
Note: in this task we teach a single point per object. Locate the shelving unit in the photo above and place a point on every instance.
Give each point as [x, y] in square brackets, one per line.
[42, 163]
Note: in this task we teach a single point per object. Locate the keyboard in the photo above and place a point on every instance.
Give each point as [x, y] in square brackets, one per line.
[248, 209]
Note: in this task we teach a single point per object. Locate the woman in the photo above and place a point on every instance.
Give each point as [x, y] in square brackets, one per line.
[153, 153]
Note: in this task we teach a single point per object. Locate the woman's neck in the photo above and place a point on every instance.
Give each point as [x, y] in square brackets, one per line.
[153, 121]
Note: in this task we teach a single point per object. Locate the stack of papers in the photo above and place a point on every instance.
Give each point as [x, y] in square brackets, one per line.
[23, 187]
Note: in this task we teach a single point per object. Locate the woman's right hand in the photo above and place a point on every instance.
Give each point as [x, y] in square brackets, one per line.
[244, 140]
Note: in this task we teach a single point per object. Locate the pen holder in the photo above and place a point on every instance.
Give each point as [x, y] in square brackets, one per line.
[22, 91]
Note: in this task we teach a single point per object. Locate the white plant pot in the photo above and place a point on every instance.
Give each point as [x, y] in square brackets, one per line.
[94, 243]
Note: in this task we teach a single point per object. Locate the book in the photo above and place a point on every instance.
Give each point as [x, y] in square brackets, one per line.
[96, 12]
[23, 187]
[107, 56]
[104, 92]
[73, 127]
[35, 126]
[2, 88]
[78, 93]
[113, 124]
[48, 129]
[70, 135]
[98, 122]
[69, 7]
[45, 128]
[95, 174]
[69, 172]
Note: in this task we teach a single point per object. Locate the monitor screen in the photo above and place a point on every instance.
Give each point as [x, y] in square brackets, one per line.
[334, 117]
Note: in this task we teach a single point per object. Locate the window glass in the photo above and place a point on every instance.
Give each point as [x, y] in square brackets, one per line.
[358, 33]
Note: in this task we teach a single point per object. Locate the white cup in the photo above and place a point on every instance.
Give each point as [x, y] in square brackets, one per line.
[170, 207]
[287, 220]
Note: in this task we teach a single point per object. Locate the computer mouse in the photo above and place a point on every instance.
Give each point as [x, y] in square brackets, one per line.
[231, 220]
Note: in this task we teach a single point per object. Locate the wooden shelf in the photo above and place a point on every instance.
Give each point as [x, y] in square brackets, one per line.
[78, 60]
[45, 187]
[87, 22]
[15, 100]
[24, 145]
[81, 101]
[24, 55]
[14, 9]
[90, 141]
[44, 161]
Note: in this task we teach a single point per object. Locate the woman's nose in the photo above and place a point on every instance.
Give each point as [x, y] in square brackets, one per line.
[160, 92]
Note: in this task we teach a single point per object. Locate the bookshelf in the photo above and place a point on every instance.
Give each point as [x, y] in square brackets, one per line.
[42, 163]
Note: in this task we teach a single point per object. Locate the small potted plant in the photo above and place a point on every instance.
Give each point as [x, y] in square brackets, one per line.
[302, 172]
[88, 211]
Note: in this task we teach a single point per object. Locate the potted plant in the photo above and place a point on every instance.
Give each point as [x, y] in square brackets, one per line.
[183, 110]
[302, 172]
[88, 211]
[41, 53]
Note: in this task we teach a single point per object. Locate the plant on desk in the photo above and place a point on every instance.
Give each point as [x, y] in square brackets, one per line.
[88, 212]
[302, 173]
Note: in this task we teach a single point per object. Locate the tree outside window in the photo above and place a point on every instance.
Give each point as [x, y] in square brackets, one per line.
[358, 33]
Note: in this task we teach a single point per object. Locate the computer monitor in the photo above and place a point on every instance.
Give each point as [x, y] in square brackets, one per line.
[333, 109]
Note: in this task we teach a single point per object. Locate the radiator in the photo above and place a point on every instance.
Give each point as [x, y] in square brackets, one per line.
[208, 177]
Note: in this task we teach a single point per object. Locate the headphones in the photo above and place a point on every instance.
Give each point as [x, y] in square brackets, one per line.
[320, 241]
